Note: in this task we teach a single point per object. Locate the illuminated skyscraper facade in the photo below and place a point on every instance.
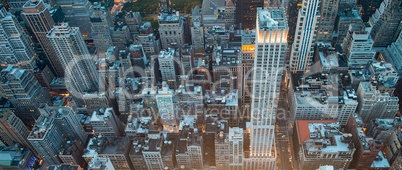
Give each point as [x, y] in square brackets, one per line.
[41, 22]
[270, 51]
[71, 49]
[306, 30]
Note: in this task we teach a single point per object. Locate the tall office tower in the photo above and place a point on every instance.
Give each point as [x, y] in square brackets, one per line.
[77, 14]
[171, 29]
[16, 5]
[106, 123]
[343, 22]
[65, 118]
[386, 23]
[101, 22]
[12, 130]
[164, 99]
[393, 54]
[358, 48]
[368, 8]
[301, 57]
[246, 12]
[236, 148]
[167, 67]
[15, 44]
[133, 21]
[24, 92]
[270, 51]
[70, 47]
[374, 104]
[347, 5]
[120, 34]
[247, 64]
[230, 13]
[47, 138]
[197, 31]
[41, 22]
[165, 6]
[328, 12]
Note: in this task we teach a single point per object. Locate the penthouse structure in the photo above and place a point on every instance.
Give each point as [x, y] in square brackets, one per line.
[223, 105]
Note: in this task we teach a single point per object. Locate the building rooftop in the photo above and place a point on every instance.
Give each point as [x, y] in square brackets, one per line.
[101, 115]
[272, 18]
[380, 161]
[303, 128]
[328, 55]
[169, 18]
[221, 98]
[41, 127]
[138, 125]
[64, 167]
[167, 54]
[323, 136]
[13, 156]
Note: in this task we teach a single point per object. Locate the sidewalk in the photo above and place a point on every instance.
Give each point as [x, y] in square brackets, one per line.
[294, 161]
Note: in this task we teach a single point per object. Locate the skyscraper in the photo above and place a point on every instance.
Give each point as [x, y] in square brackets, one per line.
[270, 51]
[246, 13]
[24, 92]
[167, 67]
[70, 47]
[164, 99]
[328, 12]
[171, 29]
[358, 47]
[77, 14]
[386, 23]
[306, 30]
[12, 130]
[15, 44]
[101, 22]
[41, 22]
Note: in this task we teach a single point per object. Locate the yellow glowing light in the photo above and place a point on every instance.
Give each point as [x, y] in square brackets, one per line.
[248, 47]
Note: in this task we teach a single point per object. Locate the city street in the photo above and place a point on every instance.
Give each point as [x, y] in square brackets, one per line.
[282, 137]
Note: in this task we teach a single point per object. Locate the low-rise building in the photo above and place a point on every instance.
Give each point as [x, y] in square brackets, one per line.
[322, 143]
